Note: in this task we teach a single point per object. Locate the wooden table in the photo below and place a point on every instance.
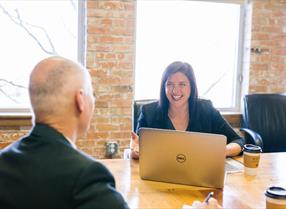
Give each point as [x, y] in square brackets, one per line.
[239, 192]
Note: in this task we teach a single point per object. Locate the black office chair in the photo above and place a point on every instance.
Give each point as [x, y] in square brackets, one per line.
[137, 104]
[264, 121]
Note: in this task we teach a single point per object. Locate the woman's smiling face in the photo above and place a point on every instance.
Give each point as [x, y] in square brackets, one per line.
[178, 89]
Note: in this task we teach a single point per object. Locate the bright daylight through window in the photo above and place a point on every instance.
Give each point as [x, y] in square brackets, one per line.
[31, 31]
[205, 34]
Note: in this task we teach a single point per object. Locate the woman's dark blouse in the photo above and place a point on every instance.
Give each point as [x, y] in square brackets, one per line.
[205, 119]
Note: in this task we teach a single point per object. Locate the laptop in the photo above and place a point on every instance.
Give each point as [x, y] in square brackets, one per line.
[181, 157]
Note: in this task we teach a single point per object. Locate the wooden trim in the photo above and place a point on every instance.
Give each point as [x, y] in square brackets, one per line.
[234, 118]
[15, 121]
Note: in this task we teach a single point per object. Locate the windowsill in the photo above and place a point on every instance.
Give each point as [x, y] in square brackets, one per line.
[15, 114]
[234, 118]
[8, 120]
[230, 113]
[25, 119]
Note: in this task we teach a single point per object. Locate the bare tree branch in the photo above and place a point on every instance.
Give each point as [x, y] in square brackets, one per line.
[54, 52]
[9, 97]
[214, 83]
[11, 83]
[73, 4]
[18, 21]
[68, 30]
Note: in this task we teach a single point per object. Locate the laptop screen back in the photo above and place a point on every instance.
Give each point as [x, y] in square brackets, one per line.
[180, 157]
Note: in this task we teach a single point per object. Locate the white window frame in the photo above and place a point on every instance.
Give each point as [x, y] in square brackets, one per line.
[239, 65]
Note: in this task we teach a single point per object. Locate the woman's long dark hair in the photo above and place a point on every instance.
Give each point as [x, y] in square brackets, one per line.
[188, 71]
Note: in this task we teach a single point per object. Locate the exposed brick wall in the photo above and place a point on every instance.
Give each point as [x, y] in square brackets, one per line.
[9, 136]
[110, 60]
[12, 128]
[110, 55]
[268, 41]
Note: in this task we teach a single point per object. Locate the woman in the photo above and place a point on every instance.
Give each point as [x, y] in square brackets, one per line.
[179, 108]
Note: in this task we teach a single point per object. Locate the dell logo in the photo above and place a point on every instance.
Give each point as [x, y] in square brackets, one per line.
[181, 158]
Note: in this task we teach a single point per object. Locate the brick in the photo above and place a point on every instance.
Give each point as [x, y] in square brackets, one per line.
[129, 6]
[278, 59]
[125, 65]
[102, 111]
[102, 120]
[126, 142]
[121, 103]
[279, 51]
[98, 73]
[110, 81]
[121, 111]
[126, 126]
[110, 39]
[121, 134]
[106, 64]
[260, 36]
[122, 88]
[257, 66]
[92, 4]
[262, 58]
[98, 135]
[109, 96]
[106, 22]
[258, 89]
[101, 104]
[123, 48]
[107, 127]
[122, 31]
[121, 119]
[98, 30]
[99, 48]
[124, 74]
[278, 66]
[271, 29]
[110, 5]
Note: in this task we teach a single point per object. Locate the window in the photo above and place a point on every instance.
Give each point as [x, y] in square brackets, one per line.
[207, 35]
[31, 31]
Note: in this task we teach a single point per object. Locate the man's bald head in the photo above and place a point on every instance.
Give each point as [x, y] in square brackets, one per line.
[52, 87]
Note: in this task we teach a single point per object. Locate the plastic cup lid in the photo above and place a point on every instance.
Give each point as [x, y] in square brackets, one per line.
[252, 148]
[276, 192]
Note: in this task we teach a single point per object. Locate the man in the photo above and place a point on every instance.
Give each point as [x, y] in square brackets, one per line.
[44, 169]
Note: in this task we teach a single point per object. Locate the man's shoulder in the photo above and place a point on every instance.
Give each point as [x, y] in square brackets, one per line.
[84, 158]
[86, 161]
[8, 149]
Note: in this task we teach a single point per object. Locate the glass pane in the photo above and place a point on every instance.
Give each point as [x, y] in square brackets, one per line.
[31, 31]
[204, 34]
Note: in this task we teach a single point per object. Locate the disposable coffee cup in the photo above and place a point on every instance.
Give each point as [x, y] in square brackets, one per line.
[251, 157]
[275, 197]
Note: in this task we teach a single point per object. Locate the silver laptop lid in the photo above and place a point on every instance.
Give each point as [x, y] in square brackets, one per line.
[181, 157]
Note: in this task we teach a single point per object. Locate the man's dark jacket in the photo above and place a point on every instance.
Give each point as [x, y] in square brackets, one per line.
[43, 170]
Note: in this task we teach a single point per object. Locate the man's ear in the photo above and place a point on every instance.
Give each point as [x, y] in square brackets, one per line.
[80, 100]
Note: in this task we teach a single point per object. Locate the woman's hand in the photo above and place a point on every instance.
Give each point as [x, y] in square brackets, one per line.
[134, 146]
[232, 149]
